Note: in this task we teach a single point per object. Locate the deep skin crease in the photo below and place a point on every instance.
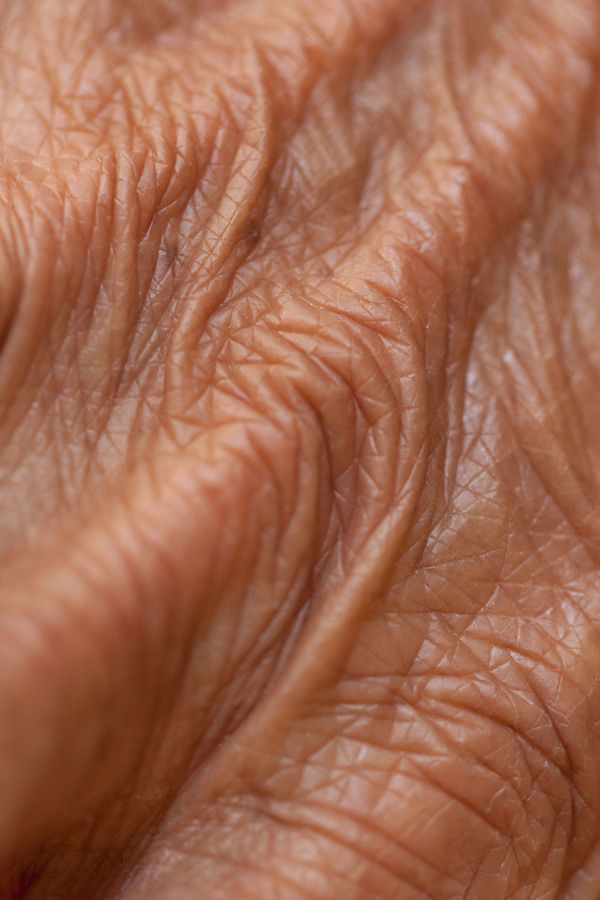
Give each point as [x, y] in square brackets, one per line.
[299, 449]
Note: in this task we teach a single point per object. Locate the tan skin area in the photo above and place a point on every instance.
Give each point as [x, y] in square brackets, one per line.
[300, 449]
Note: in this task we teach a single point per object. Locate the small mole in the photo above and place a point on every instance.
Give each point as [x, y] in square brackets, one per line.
[252, 231]
[169, 253]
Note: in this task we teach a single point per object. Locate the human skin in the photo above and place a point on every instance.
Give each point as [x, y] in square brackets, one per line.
[299, 449]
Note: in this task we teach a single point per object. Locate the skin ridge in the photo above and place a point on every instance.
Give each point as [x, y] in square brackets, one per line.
[406, 253]
[517, 212]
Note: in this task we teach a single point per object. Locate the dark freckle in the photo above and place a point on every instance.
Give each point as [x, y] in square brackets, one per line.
[169, 252]
[251, 231]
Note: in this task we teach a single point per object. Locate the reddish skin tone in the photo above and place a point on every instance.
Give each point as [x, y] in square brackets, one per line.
[299, 449]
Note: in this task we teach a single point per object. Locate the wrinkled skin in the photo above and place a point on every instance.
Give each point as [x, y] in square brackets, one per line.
[300, 449]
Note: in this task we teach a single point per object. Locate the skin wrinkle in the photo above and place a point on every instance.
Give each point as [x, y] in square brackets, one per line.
[317, 827]
[310, 828]
[289, 456]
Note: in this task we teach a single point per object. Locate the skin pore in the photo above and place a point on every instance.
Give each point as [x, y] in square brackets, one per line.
[299, 449]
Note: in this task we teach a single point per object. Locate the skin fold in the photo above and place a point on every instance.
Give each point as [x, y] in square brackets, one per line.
[299, 449]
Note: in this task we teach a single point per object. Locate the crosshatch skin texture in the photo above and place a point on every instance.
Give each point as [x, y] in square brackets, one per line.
[299, 449]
